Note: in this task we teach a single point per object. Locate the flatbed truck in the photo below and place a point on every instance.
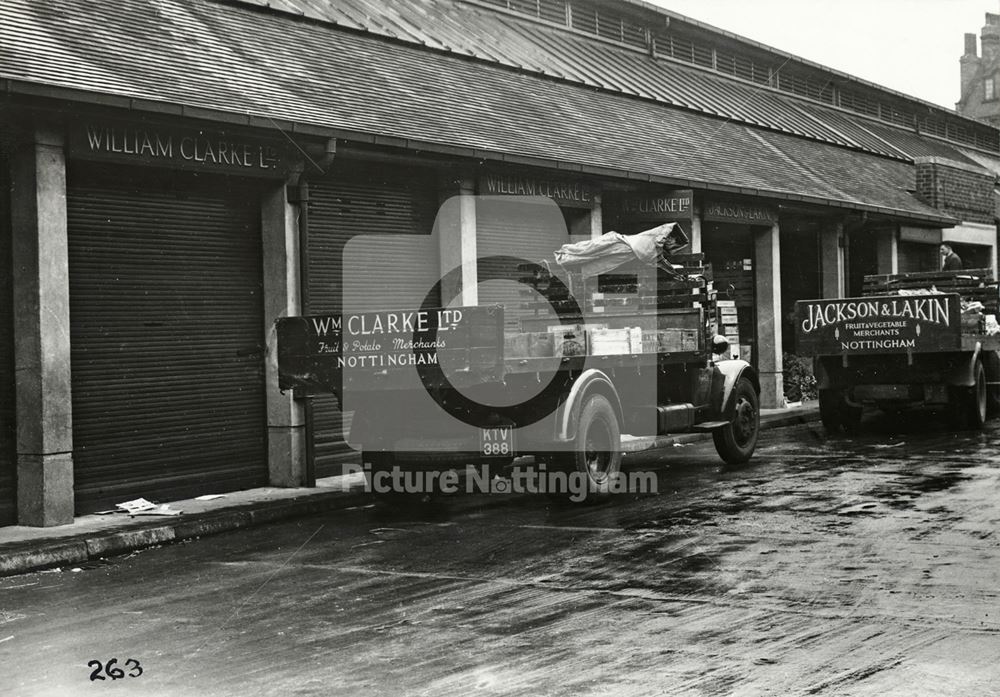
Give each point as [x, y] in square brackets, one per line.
[914, 339]
[447, 386]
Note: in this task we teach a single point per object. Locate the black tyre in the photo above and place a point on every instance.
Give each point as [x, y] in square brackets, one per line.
[597, 449]
[991, 364]
[851, 418]
[380, 465]
[735, 442]
[829, 410]
[836, 414]
[974, 399]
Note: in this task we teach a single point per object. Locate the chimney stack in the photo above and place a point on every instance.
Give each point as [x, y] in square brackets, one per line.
[969, 68]
[971, 46]
[990, 38]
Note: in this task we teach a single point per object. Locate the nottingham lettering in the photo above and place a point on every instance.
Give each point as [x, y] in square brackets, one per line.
[387, 360]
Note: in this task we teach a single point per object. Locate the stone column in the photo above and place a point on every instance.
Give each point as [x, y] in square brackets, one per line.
[286, 429]
[887, 251]
[767, 277]
[831, 255]
[596, 218]
[456, 233]
[695, 234]
[40, 255]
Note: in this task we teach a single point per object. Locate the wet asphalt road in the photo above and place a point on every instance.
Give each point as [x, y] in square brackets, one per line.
[861, 566]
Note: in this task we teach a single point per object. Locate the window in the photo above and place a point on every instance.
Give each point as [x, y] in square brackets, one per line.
[989, 87]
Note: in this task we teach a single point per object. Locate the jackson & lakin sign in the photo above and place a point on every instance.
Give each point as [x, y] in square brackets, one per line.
[878, 324]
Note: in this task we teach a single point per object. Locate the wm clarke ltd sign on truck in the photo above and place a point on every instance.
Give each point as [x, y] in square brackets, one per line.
[879, 324]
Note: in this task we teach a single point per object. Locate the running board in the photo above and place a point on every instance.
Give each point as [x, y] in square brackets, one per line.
[708, 425]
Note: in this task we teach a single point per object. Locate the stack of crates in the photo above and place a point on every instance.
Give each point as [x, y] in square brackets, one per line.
[729, 326]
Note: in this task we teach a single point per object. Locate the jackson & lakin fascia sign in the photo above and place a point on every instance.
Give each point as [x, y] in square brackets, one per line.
[879, 324]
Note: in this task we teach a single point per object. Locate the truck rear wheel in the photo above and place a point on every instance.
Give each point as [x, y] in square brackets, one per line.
[385, 487]
[972, 400]
[735, 442]
[381, 464]
[991, 364]
[836, 414]
[597, 452]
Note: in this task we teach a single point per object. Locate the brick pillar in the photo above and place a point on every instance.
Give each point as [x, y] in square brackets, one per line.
[456, 232]
[40, 258]
[831, 259]
[286, 430]
[767, 277]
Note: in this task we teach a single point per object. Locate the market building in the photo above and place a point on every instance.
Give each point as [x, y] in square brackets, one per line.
[176, 175]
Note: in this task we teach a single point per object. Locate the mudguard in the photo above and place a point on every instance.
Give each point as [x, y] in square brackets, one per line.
[732, 371]
[964, 375]
[590, 381]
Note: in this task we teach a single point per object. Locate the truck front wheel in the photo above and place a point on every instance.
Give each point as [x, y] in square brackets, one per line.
[735, 442]
[597, 449]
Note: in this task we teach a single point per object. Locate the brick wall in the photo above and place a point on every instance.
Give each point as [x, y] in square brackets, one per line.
[962, 191]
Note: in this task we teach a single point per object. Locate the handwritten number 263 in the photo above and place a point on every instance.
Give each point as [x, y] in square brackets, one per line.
[112, 670]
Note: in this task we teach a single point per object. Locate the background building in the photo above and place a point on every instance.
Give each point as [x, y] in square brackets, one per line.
[176, 175]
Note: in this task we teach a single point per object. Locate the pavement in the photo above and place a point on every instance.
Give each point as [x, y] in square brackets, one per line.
[92, 537]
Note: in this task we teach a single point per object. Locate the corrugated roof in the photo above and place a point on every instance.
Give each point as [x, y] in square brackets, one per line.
[242, 61]
[465, 29]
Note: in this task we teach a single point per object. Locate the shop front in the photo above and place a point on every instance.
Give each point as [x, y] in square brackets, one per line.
[154, 377]
[370, 247]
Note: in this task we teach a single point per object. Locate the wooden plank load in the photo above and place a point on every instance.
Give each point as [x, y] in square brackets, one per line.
[632, 287]
[630, 310]
[971, 284]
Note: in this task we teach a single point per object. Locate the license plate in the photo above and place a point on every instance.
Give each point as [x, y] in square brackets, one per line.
[497, 442]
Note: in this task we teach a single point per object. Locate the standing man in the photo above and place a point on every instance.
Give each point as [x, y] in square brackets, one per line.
[949, 260]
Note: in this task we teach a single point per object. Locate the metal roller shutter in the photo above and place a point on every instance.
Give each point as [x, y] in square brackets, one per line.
[392, 273]
[511, 227]
[166, 319]
[8, 429]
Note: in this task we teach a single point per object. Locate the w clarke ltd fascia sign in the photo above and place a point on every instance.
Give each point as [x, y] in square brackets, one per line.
[325, 350]
[879, 324]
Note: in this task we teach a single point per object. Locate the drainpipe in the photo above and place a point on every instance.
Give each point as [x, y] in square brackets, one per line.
[299, 195]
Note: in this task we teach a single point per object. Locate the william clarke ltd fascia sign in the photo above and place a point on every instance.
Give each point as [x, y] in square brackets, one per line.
[563, 192]
[879, 324]
[184, 148]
